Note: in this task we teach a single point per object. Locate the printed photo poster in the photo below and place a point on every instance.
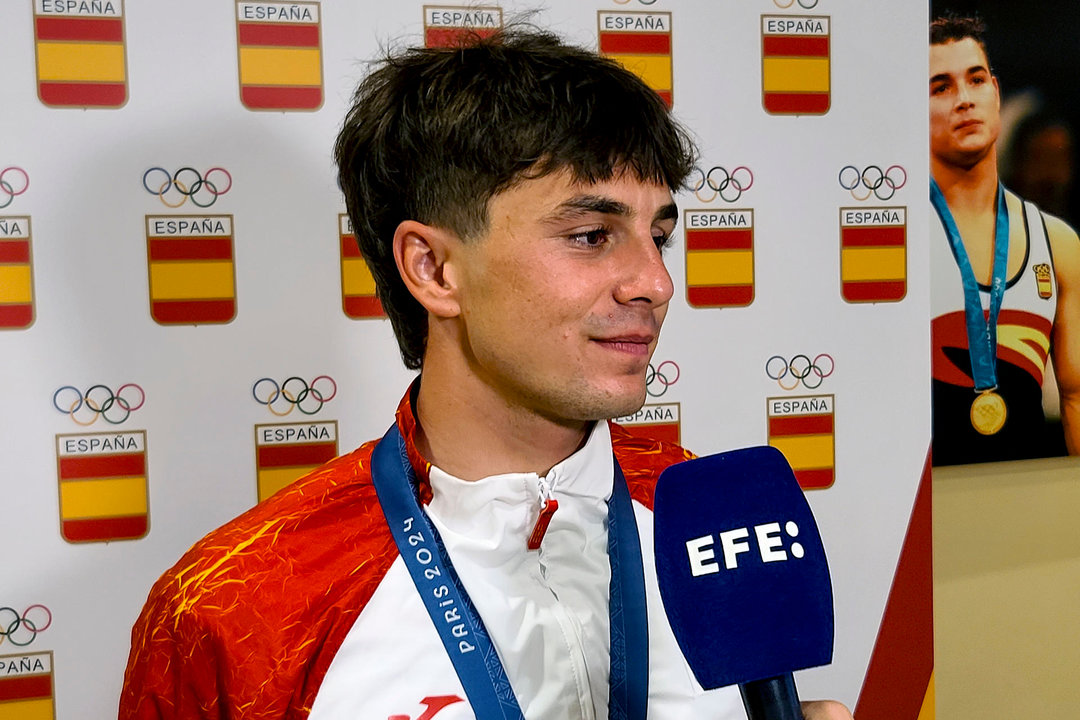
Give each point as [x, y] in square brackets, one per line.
[1006, 385]
[188, 327]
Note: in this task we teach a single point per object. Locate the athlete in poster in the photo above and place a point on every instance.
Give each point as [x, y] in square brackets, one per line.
[513, 199]
[1005, 277]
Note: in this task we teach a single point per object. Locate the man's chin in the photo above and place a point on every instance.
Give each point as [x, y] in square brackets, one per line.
[599, 400]
[624, 407]
[972, 150]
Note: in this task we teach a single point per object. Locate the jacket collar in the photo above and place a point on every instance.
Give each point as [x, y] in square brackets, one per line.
[407, 426]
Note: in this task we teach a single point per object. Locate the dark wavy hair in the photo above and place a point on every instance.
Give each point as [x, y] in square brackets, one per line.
[434, 133]
[952, 27]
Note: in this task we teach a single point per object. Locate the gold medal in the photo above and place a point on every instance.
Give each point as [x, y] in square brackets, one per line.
[988, 412]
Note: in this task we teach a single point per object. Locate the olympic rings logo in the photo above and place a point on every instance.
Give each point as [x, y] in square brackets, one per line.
[643, 2]
[658, 379]
[804, 4]
[100, 401]
[729, 186]
[21, 630]
[8, 193]
[189, 183]
[882, 185]
[800, 369]
[296, 393]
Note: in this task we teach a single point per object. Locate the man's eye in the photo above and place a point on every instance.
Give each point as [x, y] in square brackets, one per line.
[590, 238]
[664, 240]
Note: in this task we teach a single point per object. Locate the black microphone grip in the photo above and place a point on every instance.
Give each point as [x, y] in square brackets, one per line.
[773, 698]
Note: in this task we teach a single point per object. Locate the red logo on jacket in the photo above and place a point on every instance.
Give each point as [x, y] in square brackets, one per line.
[434, 705]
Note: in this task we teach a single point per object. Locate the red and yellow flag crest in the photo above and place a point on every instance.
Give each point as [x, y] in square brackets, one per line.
[81, 55]
[640, 42]
[279, 53]
[795, 65]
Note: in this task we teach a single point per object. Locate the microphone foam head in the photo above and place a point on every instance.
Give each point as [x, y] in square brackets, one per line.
[741, 567]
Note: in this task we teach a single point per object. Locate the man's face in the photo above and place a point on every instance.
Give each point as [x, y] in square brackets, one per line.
[964, 103]
[563, 296]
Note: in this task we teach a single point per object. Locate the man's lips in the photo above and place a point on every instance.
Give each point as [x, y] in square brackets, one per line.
[964, 125]
[635, 344]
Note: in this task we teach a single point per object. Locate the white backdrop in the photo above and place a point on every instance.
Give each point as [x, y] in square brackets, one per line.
[87, 205]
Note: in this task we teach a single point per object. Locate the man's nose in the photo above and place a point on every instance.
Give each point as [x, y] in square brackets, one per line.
[645, 277]
[963, 96]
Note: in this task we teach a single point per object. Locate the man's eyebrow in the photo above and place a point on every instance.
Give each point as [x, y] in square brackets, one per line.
[580, 205]
[668, 212]
[973, 70]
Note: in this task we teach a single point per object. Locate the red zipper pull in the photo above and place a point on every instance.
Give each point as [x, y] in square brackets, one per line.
[548, 506]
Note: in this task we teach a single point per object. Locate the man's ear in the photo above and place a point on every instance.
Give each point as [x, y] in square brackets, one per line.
[421, 252]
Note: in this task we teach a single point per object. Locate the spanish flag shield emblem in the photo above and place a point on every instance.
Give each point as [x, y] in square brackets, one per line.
[279, 51]
[656, 421]
[81, 59]
[284, 453]
[26, 687]
[103, 486]
[641, 42]
[191, 268]
[358, 298]
[719, 258]
[873, 254]
[795, 68]
[16, 274]
[802, 429]
[1044, 280]
[450, 26]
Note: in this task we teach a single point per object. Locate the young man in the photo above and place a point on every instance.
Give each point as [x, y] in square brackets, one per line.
[1005, 279]
[513, 200]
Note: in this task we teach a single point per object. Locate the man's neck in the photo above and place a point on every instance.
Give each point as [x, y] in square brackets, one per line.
[968, 190]
[470, 431]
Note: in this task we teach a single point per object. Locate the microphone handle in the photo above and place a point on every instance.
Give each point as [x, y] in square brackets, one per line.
[773, 698]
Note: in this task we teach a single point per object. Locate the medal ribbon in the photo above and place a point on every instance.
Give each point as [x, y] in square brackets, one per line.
[981, 329]
[457, 621]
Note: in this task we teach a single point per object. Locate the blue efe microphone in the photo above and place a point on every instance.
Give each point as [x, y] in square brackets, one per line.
[743, 576]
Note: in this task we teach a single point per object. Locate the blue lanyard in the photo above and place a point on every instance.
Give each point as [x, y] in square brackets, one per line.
[981, 329]
[458, 623]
